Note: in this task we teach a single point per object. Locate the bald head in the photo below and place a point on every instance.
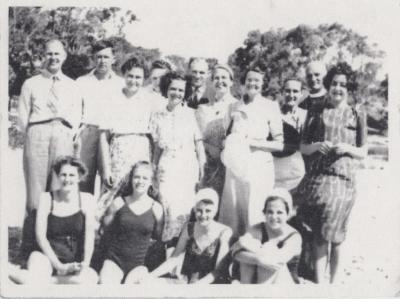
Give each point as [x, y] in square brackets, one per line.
[315, 73]
[55, 56]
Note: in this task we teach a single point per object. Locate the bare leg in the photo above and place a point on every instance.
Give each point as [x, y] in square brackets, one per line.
[39, 270]
[136, 275]
[247, 273]
[111, 273]
[86, 276]
[320, 259]
[334, 261]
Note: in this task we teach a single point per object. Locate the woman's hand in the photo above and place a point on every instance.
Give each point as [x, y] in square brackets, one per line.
[67, 268]
[108, 180]
[342, 148]
[323, 147]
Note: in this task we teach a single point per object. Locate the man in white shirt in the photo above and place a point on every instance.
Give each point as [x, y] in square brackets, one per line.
[97, 88]
[199, 73]
[49, 112]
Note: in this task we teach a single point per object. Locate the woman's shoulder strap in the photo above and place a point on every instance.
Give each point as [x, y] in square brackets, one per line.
[282, 242]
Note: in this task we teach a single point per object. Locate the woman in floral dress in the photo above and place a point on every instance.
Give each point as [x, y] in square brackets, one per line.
[179, 155]
[212, 120]
[335, 140]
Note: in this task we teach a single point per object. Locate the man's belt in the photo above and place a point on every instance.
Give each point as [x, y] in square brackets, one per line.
[42, 122]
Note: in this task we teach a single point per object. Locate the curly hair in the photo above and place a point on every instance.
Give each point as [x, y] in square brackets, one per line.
[128, 187]
[256, 69]
[167, 79]
[342, 68]
[70, 160]
[134, 62]
[161, 64]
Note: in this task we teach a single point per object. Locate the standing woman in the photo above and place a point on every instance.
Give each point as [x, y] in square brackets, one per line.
[134, 219]
[64, 232]
[124, 139]
[335, 140]
[179, 154]
[243, 196]
[212, 120]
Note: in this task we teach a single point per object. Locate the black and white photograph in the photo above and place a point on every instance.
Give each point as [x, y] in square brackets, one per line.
[151, 144]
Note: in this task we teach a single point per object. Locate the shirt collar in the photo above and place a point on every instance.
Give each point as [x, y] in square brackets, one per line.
[320, 93]
[111, 75]
[58, 76]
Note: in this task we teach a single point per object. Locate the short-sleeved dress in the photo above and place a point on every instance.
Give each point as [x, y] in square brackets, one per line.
[326, 194]
[212, 120]
[242, 199]
[175, 132]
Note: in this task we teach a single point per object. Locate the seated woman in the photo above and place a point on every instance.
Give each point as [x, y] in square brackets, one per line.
[134, 219]
[269, 251]
[203, 246]
[64, 232]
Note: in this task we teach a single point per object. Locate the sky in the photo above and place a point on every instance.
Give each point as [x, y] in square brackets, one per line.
[215, 28]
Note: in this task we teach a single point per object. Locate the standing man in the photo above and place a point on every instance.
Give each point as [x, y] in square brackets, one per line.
[49, 112]
[97, 88]
[315, 74]
[199, 73]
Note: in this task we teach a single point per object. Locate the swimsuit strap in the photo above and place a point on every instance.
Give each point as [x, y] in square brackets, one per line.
[80, 200]
[282, 242]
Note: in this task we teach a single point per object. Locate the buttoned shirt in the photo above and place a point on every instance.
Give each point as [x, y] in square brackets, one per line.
[46, 96]
[97, 95]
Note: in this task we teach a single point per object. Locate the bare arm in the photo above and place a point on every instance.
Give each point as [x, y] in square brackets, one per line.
[88, 207]
[221, 259]
[173, 261]
[43, 212]
[24, 106]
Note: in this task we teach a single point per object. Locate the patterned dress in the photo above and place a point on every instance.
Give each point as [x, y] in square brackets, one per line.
[326, 194]
[213, 123]
[243, 198]
[175, 133]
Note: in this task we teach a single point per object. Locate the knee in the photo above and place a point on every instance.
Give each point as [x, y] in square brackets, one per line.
[137, 275]
[88, 276]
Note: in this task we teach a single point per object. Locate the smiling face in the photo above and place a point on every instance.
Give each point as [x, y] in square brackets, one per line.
[315, 74]
[54, 56]
[69, 177]
[176, 92]
[199, 73]
[141, 179]
[276, 214]
[292, 92]
[221, 81]
[338, 89]
[253, 83]
[205, 213]
[134, 79]
[104, 60]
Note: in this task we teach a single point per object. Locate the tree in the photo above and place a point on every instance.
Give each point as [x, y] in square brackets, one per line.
[77, 27]
[285, 53]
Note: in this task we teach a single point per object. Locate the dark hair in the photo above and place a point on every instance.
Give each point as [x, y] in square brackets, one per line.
[342, 68]
[272, 198]
[256, 69]
[101, 45]
[293, 78]
[134, 62]
[167, 79]
[128, 188]
[161, 64]
[70, 160]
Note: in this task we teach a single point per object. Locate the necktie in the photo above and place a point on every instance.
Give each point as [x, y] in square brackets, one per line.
[53, 101]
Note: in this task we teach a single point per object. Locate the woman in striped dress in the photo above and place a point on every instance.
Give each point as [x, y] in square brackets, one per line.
[335, 139]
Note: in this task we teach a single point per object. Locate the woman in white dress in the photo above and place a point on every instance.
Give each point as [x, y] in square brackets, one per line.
[244, 193]
[212, 120]
[178, 154]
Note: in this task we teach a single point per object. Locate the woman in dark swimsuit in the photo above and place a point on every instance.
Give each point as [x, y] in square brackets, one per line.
[64, 232]
[270, 250]
[134, 219]
[203, 246]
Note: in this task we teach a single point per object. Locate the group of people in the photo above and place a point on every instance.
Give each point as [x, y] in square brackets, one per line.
[186, 165]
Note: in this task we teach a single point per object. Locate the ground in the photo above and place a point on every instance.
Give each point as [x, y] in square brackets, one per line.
[370, 253]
